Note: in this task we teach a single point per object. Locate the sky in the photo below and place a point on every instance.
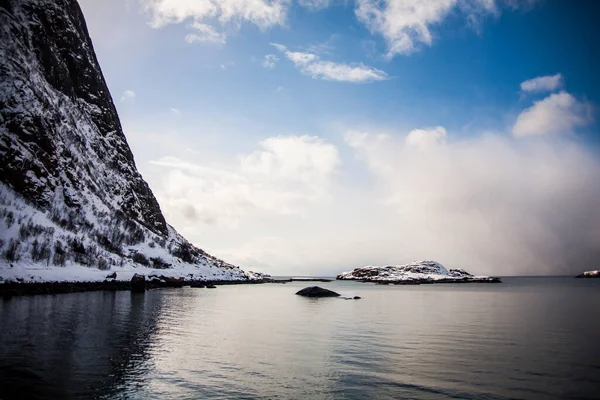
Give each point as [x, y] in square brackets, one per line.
[312, 137]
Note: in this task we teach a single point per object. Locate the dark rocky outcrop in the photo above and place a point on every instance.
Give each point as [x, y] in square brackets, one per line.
[589, 274]
[138, 283]
[316, 291]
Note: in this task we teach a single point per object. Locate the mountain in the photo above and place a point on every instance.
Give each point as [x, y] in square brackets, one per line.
[415, 272]
[72, 202]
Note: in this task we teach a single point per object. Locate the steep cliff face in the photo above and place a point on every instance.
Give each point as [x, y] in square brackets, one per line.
[69, 186]
[60, 129]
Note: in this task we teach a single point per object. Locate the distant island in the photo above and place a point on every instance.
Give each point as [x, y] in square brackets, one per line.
[419, 272]
[590, 274]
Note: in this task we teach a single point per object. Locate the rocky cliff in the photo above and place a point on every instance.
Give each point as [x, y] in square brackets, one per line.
[70, 193]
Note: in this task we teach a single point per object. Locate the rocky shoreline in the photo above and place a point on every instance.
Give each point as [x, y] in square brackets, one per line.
[13, 288]
[491, 279]
[589, 274]
[415, 273]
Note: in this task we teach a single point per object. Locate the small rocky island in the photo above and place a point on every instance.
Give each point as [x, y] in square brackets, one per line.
[590, 274]
[420, 272]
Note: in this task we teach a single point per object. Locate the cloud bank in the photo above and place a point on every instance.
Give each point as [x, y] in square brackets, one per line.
[283, 175]
[491, 204]
[558, 113]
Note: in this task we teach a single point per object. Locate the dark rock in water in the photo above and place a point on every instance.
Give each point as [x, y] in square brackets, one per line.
[357, 297]
[138, 283]
[316, 291]
[210, 286]
[197, 285]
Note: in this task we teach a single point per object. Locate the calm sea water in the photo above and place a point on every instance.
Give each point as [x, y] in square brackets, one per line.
[527, 338]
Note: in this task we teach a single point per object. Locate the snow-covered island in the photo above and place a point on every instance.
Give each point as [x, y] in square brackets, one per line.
[590, 274]
[414, 273]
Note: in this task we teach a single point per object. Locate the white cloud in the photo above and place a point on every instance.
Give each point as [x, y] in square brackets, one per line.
[231, 13]
[175, 110]
[426, 138]
[270, 61]
[557, 113]
[128, 95]
[315, 4]
[279, 47]
[310, 64]
[307, 159]
[205, 34]
[547, 83]
[226, 65]
[406, 24]
[331, 71]
[301, 59]
[489, 203]
[284, 176]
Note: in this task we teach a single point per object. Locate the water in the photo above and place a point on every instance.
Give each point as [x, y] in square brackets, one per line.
[528, 338]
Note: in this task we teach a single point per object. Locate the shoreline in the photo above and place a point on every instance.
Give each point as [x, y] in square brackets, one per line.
[492, 279]
[10, 289]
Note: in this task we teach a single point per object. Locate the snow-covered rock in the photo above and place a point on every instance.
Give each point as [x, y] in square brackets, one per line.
[590, 274]
[73, 206]
[415, 272]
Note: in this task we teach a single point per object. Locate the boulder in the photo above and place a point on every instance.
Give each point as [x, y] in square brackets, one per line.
[210, 286]
[138, 283]
[316, 291]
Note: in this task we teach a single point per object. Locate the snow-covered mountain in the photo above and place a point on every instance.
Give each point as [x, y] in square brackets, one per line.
[418, 271]
[72, 202]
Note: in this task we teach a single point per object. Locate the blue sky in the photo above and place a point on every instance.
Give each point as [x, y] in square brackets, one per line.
[293, 136]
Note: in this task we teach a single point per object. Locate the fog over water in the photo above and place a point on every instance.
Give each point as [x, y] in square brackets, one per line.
[490, 203]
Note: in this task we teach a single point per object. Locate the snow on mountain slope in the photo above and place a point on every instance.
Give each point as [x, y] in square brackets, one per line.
[72, 203]
[415, 271]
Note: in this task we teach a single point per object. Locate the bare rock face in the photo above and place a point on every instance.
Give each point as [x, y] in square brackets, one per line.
[61, 135]
[316, 291]
[68, 180]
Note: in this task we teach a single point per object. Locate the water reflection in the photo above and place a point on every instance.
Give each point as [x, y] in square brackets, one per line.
[78, 344]
[519, 340]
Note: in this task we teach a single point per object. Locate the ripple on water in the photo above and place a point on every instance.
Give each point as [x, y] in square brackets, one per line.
[264, 342]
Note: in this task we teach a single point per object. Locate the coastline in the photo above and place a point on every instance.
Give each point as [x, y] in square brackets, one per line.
[426, 281]
[13, 288]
